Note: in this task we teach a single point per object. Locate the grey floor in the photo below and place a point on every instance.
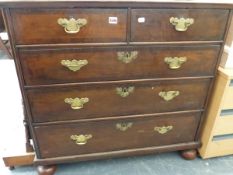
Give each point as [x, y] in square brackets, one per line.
[160, 164]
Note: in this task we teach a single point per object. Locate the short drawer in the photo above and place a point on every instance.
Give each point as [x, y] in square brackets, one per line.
[164, 25]
[118, 99]
[85, 65]
[113, 135]
[53, 26]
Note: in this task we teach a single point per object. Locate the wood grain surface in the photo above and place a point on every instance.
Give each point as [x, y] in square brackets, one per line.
[44, 66]
[39, 26]
[47, 104]
[106, 137]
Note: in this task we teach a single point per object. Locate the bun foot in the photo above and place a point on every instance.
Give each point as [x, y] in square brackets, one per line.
[46, 170]
[189, 154]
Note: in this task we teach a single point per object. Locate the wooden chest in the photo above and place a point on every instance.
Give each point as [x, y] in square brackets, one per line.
[109, 79]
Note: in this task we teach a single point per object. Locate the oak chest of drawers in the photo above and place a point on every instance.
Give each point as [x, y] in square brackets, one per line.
[110, 79]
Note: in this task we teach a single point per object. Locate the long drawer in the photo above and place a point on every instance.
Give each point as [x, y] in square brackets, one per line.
[52, 26]
[103, 64]
[112, 135]
[160, 25]
[117, 99]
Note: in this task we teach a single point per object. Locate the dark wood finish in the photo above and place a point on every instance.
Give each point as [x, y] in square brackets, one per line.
[44, 66]
[189, 154]
[48, 104]
[113, 82]
[208, 25]
[96, 45]
[46, 170]
[140, 134]
[121, 153]
[2, 26]
[115, 4]
[34, 26]
[115, 117]
[28, 145]
[204, 35]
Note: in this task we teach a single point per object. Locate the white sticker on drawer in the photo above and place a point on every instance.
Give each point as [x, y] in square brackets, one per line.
[141, 19]
[112, 20]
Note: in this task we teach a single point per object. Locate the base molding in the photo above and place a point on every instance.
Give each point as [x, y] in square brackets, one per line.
[115, 154]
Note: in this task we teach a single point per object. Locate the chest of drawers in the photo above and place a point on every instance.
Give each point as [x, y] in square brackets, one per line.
[110, 79]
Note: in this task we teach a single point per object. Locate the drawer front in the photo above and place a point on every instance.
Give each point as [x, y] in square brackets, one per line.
[228, 99]
[106, 100]
[33, 26]
[112, 135]
[157, 25]
[224, 124]
[220, 148]
[47, 67]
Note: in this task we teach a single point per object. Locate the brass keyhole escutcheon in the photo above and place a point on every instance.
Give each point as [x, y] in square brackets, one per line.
[125, 91]
[127, 57]
[124, 126]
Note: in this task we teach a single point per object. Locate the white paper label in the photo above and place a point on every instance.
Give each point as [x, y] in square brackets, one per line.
[112, 20]
[141, 19]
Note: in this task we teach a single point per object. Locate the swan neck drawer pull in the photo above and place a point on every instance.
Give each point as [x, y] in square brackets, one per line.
[163, 129]
[181, 24]
[74, 65]
[76, 103]
[81, 139]
[175, 62]
[72, 26]
[169, 95]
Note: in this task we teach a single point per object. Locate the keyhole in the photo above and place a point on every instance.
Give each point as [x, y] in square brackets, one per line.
[125, 90]
[124, 125]
[127, 54]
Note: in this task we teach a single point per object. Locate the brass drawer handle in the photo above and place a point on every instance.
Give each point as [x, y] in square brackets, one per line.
[81, 139]
[74, 65]
[76, 103]
[169, 95]
[72, 25]
[163, 129]
[124, 126]
[181, 24]
[175, 62]
[127, 57]
[125, 91]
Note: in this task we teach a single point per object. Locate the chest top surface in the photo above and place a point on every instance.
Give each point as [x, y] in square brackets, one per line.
[161, 3]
